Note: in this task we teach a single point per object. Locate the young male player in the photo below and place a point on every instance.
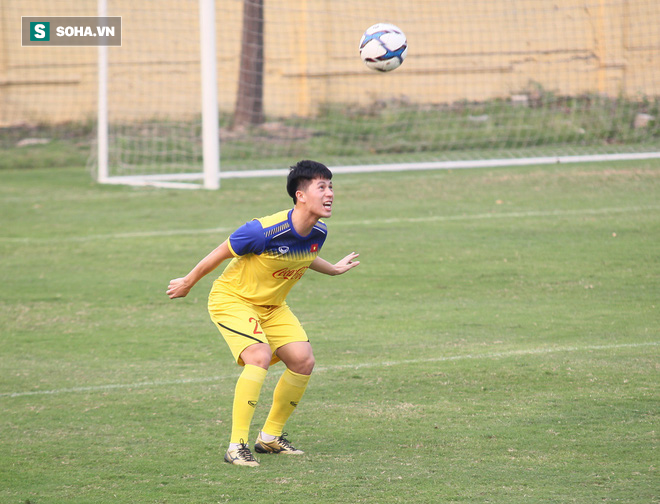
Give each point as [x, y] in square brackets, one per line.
[248, 304]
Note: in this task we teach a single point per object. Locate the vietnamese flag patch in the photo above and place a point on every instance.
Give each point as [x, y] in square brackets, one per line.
[315, 247]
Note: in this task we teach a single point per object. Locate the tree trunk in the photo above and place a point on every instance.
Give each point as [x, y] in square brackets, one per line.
[249, 102]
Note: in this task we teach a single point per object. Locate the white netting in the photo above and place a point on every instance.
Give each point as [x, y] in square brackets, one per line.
[483, 79]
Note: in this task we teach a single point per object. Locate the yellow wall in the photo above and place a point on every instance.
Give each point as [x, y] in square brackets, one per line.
[468, 50]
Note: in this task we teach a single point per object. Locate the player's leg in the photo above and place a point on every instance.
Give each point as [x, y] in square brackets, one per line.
[291, 386]
[246, 396]
[237, 324]
[248, 389]
[292, 347]
[288, 393]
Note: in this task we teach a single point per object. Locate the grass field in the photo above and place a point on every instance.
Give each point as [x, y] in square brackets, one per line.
[499, 343]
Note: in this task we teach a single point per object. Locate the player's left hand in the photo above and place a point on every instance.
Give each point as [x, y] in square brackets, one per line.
[347, 263]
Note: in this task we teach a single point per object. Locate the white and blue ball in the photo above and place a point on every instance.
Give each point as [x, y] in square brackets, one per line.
[383, 47]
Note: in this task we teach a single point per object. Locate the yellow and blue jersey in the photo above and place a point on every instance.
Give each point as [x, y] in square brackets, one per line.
[269, 258]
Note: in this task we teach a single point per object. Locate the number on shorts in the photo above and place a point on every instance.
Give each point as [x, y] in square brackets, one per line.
[256, 325]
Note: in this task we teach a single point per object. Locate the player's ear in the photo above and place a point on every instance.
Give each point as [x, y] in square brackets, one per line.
[300, 196]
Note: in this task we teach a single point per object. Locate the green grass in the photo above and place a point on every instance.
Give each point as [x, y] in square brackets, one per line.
[65, 145]
[498, 343]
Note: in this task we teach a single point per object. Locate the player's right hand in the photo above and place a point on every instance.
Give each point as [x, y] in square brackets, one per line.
[178, 288]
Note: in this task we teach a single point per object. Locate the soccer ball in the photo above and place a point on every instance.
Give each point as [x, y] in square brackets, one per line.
[383, 47]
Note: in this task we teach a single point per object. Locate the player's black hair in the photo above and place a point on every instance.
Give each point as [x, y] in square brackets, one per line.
[302, 173]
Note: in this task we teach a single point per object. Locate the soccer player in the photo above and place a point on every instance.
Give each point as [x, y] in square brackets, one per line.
[248, 304]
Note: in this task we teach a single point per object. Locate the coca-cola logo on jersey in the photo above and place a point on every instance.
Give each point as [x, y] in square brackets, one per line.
[290, 274]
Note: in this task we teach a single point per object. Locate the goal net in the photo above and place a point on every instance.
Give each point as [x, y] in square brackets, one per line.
[151, 99]
[483, 80]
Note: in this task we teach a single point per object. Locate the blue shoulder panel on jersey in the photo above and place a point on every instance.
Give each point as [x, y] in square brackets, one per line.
[248, 239]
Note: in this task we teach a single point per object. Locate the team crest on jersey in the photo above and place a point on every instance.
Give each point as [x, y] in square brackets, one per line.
[283, 249]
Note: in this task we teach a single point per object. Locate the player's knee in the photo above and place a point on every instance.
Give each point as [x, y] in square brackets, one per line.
[310, 364]
[305, 365]
[257, 355]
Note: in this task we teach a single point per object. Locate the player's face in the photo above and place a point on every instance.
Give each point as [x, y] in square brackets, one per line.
[318, 197]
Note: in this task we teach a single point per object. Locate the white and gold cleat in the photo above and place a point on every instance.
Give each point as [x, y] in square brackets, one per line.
[241, 456]
[278, 445]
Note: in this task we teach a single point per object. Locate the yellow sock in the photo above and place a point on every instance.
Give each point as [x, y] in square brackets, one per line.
[288, 392]
[246, 396]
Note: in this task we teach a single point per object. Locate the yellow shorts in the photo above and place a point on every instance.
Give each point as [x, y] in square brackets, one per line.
[243, 324]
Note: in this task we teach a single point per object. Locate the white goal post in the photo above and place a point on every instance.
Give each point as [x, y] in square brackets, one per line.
[209, 177]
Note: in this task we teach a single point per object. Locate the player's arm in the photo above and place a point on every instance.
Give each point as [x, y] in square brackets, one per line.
[180, 287]
[322, 266]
